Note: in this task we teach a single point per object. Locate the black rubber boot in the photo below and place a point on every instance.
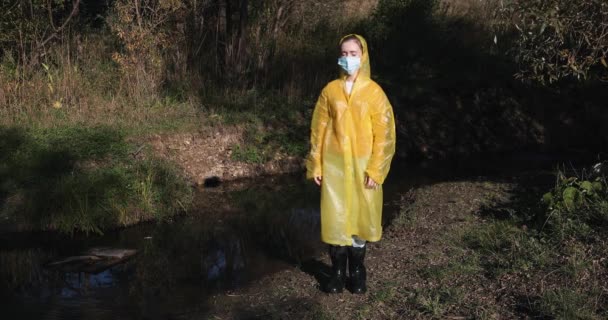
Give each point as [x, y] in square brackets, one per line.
[356, 269]
[338, 257]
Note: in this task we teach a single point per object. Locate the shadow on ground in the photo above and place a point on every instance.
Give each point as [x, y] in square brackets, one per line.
[82, 179]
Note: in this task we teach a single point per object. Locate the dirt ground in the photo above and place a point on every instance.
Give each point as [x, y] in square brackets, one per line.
[208, 153]
[413, 272]
[398, 267]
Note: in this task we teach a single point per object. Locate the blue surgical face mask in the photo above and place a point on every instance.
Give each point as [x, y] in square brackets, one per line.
[350, 64]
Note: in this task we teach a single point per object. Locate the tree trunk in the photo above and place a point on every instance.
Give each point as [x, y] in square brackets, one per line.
[243, 17]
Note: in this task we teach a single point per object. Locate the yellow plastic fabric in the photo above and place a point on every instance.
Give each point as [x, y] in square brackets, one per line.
[351, 136]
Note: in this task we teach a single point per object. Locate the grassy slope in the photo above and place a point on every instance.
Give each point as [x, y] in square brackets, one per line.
[74, 178]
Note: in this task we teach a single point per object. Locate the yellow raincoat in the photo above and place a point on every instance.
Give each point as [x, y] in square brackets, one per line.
[351, 137]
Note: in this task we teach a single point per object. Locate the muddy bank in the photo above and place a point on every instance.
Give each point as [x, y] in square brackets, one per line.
[210, 153]
[416, 241]
[427, 266]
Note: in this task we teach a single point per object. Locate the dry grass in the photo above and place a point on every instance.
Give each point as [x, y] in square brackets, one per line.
[78, 83]
[358, 8]
[477, 8]
[482, 9]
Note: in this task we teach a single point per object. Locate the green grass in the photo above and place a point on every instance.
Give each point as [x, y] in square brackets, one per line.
[577, 261]
[554, 248]
[320, 314]
[504, 247]
[436, 302]
[568, 304]
[83, 179]
[407, 218]
[249, 154]
[465, 265]
[385, 293]
[517, 249]
[271, 124]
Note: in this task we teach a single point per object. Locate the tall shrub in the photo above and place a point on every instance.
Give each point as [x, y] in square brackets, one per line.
[557, 39]
[142, 27]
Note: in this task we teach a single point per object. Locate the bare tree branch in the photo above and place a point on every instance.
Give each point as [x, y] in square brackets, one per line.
[53, 35]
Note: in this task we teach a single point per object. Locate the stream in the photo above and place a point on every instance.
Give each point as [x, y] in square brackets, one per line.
[236, 234]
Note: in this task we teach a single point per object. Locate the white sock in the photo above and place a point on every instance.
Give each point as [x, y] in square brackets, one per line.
[358, 242]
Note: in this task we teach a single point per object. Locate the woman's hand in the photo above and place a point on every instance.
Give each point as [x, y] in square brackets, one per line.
[370, 183]
[318, 180]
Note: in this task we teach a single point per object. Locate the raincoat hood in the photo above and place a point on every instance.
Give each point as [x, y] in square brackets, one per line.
[364, 69]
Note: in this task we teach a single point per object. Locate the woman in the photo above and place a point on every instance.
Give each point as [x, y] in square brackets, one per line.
[352, 144]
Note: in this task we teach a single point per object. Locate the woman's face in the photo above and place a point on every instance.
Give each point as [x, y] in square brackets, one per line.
[350, 48]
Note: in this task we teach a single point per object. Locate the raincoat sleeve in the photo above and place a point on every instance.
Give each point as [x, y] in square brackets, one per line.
[320, 119]
[383, 130]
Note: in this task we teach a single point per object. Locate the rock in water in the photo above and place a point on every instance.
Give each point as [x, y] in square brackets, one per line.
[111, 253]
[94, 260]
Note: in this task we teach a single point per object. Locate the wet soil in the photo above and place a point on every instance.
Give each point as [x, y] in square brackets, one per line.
[433, 216]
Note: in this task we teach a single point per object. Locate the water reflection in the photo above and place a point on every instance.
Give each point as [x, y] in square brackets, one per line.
[239, 233]
[81, 283]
